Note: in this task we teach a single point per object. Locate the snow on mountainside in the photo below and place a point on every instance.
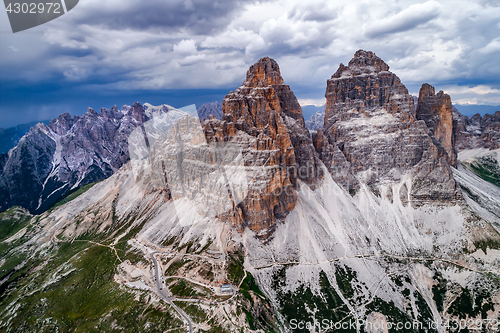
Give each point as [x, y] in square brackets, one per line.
[52, 160]
[248, 224]
[316, 121]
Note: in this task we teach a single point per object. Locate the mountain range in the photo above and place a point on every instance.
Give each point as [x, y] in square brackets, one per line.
[387, 214]
[9, 137]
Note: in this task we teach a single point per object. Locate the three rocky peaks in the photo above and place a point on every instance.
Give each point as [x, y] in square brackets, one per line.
[372, 136]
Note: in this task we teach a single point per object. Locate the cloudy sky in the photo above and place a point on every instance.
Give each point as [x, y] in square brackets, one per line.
[180, 52]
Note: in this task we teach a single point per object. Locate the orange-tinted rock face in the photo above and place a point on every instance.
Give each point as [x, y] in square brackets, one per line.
[265, 119]
[265, 72]
[436, 111]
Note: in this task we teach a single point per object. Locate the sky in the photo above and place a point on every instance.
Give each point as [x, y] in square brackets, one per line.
[180, 52]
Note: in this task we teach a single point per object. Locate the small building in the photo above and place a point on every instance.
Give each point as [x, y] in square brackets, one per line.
[226, 288]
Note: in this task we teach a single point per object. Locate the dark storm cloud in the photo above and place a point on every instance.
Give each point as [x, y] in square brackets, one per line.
[195, 16]
[482, 33]
[114, 46]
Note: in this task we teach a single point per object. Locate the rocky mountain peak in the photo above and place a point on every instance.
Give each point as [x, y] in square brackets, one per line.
[377, 88]
[429, 91]
[371, 135]
[91, 111]
[62, 124]
[263, 73]
[363, 62]
[137, 112]
[426, 90]
[265, 119]
[113, 113]
[437, 112]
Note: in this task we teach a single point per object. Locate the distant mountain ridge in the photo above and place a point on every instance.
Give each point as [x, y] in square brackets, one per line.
[472, 109]
[477, 131]
[210, 109]
[51, 160]
[310, 110]
[9, 137]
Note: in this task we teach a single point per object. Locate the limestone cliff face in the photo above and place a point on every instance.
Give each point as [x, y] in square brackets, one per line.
[372, 136]
[436, 111]
[264, 117]
[461, 136]
[366, 83]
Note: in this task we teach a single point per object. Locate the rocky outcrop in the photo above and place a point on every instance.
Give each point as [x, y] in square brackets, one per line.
[9, 137]
[264, 118]
[207, 110]
[316, 121]
[477, 131]
[62, 124]
[335, 160]
[25, 170]
[436, 111]
[371, 135]
[461, 136]
[51, 160]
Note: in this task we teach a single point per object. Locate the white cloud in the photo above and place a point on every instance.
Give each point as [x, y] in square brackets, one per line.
[186, 46]
[191, 60]
[231, 38]
[310, 101]
[404, 20]
[432, 62]
[480, 90]
[75, 73]
[493, 46]
[480, 94]
[494, 100]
